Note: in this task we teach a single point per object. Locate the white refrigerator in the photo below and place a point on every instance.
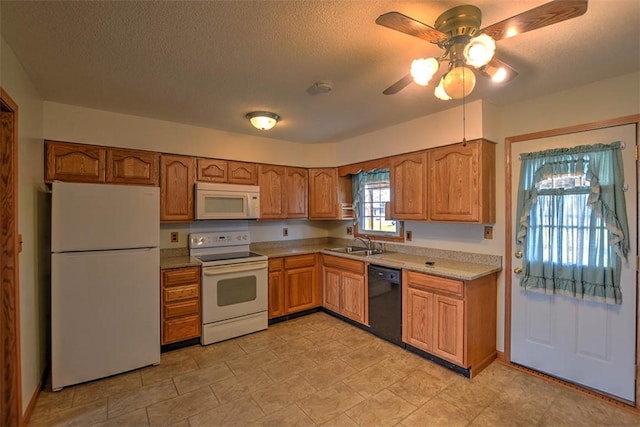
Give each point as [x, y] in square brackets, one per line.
[105, 275]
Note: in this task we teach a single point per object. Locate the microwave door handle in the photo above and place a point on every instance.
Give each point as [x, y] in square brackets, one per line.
[236, 268]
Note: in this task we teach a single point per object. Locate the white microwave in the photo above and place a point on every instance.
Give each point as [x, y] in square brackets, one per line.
[227, 201]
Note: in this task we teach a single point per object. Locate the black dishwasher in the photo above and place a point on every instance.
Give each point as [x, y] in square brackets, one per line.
[385, 303]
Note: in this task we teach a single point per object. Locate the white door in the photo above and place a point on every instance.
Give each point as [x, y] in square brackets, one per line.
[589, 343]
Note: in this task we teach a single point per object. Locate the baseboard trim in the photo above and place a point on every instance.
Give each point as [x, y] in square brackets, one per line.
[34, 398]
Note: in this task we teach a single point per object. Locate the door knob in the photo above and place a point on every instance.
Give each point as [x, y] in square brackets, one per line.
[517, 270]
[518, 254]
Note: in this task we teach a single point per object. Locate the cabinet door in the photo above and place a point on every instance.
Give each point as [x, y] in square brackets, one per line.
[177, 175]
[453, 183]
[276, 294]
[243, 173]
[331, 282]
[300, 288]
[449, 329]
[74, 162]
[132, 167]
[212, 170]
[418, 327]
[271, 180]
[296, 191]
[323, 193]
[352, 296]
[408, 186]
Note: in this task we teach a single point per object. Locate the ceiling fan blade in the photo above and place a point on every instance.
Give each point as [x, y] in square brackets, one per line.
[498, 71]
[399, 22]
[398, 86]
[538, 17]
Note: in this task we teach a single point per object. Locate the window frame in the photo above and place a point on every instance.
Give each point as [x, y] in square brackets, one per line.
[398, 236]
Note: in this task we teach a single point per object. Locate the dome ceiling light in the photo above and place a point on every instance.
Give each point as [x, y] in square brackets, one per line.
[263, 120]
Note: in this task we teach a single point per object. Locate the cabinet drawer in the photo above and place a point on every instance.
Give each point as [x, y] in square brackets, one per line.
[181, 276]
[181, 308]
[178, 293]
[343, 264]
[275, 264]
[298, 261]
[180, 329]
[434, 283]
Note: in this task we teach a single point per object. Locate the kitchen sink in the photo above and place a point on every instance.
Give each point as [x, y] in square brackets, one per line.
[356, 250]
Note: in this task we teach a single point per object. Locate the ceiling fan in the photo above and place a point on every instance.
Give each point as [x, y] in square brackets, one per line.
[466, 47]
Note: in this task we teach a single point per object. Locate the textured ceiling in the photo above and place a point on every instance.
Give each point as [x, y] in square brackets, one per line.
[209, 63]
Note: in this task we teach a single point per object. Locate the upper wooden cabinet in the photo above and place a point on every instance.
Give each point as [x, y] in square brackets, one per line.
[227, 171]
[328, 193]
[88, 163]
[296, 191]
[132, 167]
[271, 181]
[461, 183]
[283, 192]
[408, 186]
[177, 176]
[74, 162]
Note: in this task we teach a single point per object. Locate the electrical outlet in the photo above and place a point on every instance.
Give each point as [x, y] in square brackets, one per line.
[488, 232]
[350, 231]
[285, 232]
[409, 236]
[174, 237]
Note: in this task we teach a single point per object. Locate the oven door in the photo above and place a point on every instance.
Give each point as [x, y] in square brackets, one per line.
[234, 290]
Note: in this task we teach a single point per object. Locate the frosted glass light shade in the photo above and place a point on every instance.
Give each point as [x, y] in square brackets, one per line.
[459, 82]
[479, 51]
[263, 120]
[423, 69]
[440, 93]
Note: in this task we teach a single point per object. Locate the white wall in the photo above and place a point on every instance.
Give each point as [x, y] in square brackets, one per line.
[32, 222]
[84, 125]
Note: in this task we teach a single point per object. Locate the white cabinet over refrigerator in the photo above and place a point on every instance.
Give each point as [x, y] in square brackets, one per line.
[105, 275]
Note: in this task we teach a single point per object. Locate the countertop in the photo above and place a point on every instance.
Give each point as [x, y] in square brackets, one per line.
[178, 262]
[452, 269]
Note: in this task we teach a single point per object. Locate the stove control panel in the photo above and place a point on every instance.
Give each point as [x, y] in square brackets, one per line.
[219, 239]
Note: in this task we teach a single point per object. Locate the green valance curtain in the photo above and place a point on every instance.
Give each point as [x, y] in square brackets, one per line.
[572, 227]
[358, 184]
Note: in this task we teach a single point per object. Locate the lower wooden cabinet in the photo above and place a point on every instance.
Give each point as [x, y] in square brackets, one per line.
[452, 319]
[180, 300]
[293, 284]
[345, 287]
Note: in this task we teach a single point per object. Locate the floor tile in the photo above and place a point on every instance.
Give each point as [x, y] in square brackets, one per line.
[168, 369]
[365, 356]
[289, 366]
[283, 394]
[217, 353]
[251, 361]
[382, 409]
[137, 418]
[341, 420]
[417, 387]
[371, 380]
[330, 402]
[95, 390]
[140, 398]
[181, 407]
[436, 413]
[328, 373]
[202, 377]
[469, 397]
[83, 415]
[291, 416]
[241, 386]
[240, 412]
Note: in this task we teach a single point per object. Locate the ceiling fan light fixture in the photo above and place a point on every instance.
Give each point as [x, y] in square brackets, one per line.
[500, 75]
[439, 92]
[422, 70]
[263, 120]
[479, 51]
[459, 82]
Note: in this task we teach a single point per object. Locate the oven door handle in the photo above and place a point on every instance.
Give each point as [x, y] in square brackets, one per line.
[235, 268]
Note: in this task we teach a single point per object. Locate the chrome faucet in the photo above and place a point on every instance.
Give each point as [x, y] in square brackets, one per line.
[366, 241]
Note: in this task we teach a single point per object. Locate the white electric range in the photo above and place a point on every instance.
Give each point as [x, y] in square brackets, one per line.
[234, 284]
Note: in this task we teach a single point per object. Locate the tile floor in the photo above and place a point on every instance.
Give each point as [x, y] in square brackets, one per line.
[317, 370]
